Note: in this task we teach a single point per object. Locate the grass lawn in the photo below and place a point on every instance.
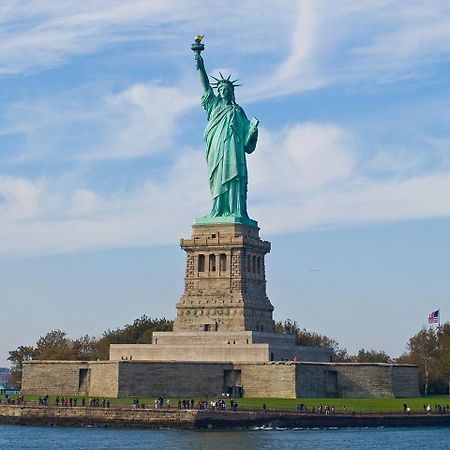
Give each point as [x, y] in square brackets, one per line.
[350, 404]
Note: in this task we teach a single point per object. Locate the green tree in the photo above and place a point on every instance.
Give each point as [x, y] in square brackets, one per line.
[443, 359]
[371, 356]
[17, 357]
[138, 332]
[22, 353]
[85, 348]
[308, 338]
[55, 345]
[426, 350]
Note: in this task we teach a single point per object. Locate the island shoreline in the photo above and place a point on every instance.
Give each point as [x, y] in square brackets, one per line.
[193, 419]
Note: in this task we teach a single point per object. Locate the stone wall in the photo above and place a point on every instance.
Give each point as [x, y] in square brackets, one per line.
[210, 379]
[225, 286]
[207, 420]
[86, 416]
[365, 380]
[219, 337]
[104, 379]
[216, 346]
[52, 377]
[314, 354]
[405, 381]
[310, 380]
[201, 353]
[356, 380]
[276, 380]
[171, 380]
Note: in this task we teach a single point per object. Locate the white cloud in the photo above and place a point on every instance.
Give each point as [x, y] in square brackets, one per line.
[84, 202]
[302, 177]
[414, 30]
[141, 120]
[51, 31]
[300, 158]
[20, 198]
[314, 177]
[308, 44]
[379, 41]
[53, 216]
[391, 160]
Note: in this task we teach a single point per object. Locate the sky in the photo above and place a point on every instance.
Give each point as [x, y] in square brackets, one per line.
[102, 166]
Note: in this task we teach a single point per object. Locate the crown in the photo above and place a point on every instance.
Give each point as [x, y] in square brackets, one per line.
[223, 80]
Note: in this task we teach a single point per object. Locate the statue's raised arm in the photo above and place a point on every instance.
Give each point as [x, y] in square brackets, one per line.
[197, 48]
[229, 136]
[201, 70]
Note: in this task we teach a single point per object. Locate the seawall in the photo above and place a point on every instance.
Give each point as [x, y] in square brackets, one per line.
[195, 419]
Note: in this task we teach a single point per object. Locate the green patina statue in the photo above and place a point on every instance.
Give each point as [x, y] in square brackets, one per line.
[229, 135]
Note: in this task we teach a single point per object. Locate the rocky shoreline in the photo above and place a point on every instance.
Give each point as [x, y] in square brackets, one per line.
[205, 419]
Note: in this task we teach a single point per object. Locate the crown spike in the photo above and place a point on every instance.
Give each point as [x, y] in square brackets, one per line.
[229, 76]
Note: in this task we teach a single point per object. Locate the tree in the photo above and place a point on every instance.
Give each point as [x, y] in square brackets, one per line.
[429, 349]
[308, 338]
[85, 348]
[55, 345]
[312, 339]
[17, 357]
[443, 360]
[22, 353]
[139, 332]
[371, 356]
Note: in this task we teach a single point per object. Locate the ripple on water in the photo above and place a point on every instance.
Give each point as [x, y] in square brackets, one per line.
[261, 438]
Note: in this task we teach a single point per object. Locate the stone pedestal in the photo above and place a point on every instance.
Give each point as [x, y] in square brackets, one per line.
[225, 283]
[224, 314]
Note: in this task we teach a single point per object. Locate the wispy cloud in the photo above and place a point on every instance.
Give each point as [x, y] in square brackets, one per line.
[53, 216]
[141, 120]
[50, 32]
[377, 42]
[138, 121]
[315, 177]
[310, 44]
[305, 174]
[312, 177]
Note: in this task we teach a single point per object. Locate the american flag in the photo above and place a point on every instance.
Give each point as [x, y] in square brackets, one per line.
[433, 317]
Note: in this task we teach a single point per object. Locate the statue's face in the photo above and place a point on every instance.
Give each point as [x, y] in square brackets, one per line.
[226, 91]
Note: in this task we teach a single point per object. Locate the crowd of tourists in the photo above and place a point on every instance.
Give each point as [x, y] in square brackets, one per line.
[19, 400]
[321, 409]
[219, 404]
[203, 404]
[443, 409]
[73, 402]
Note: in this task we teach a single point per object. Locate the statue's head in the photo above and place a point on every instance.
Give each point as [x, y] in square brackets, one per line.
[226, 91]
[225, 87]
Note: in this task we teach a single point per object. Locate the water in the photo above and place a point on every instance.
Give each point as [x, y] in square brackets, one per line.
[27, 437]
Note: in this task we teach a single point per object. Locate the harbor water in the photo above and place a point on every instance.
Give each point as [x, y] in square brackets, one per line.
[29, 437]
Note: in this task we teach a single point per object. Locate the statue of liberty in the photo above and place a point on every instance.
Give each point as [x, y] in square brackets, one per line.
[229, 135]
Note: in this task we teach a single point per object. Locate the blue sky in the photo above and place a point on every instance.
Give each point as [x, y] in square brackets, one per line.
[102, 167]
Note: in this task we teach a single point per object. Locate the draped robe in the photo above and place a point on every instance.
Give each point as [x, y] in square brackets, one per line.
[226, 134]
